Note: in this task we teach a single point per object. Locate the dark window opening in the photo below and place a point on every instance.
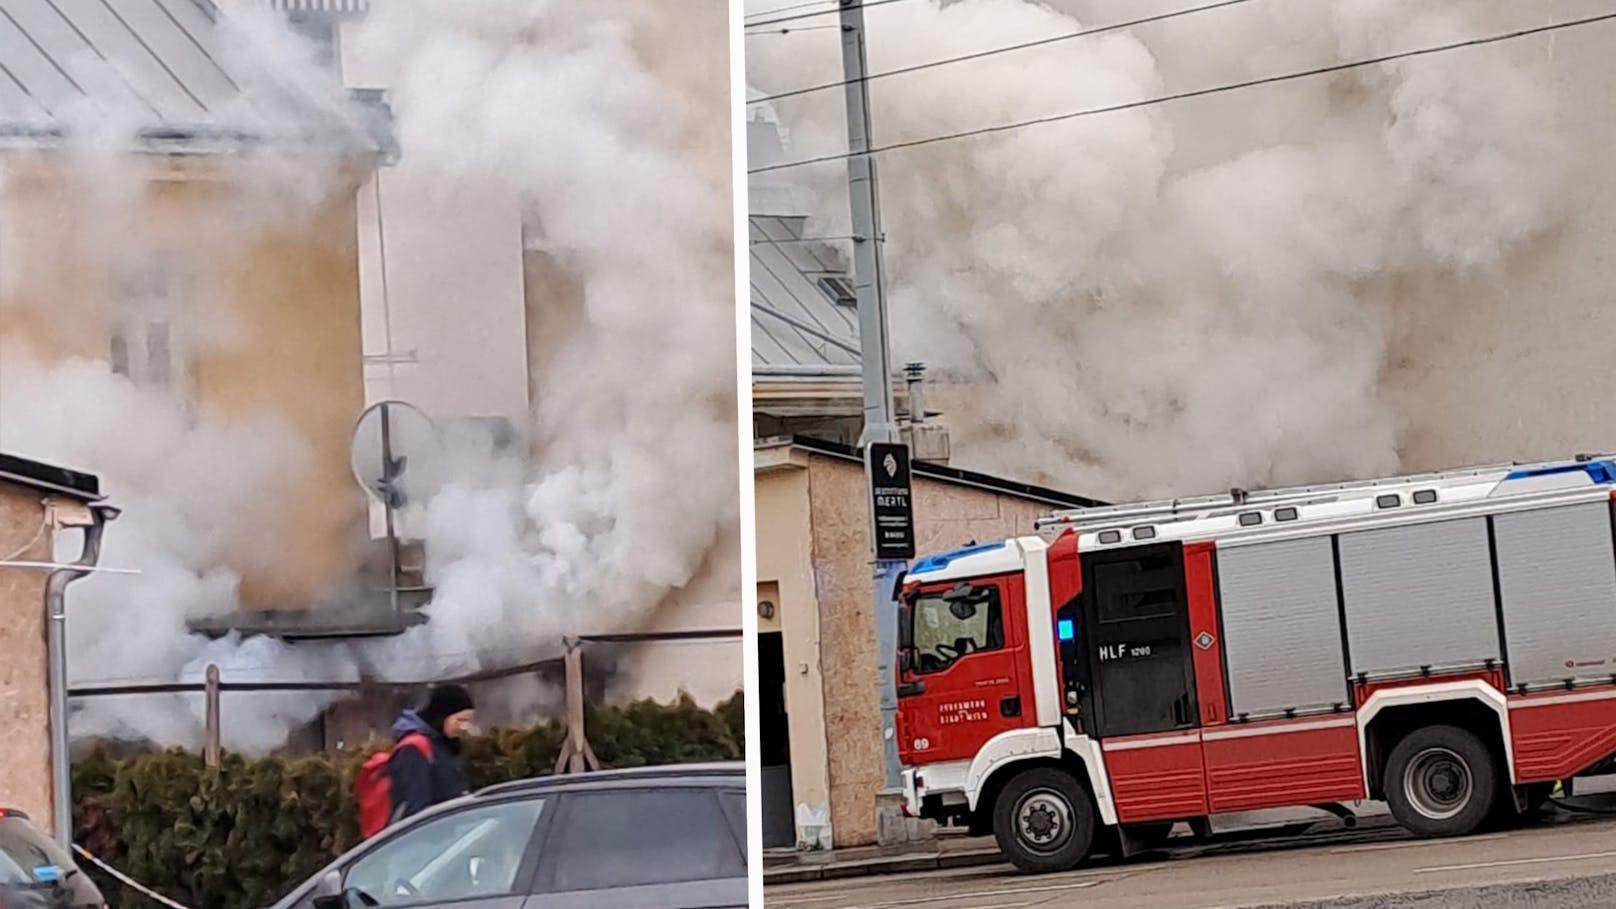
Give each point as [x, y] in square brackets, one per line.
[159, 358]
[320, 31]
[1144, 588]
[839, 290]
[120, 353]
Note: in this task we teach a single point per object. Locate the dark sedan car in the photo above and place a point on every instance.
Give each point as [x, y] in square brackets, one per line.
[647, 838]
[36, 874]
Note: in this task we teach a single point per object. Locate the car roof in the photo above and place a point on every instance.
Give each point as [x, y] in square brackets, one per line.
[599, 779]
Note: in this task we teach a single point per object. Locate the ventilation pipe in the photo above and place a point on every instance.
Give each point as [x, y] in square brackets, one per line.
[912, 375]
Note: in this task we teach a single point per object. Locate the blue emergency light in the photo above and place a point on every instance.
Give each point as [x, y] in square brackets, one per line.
[1065, 629]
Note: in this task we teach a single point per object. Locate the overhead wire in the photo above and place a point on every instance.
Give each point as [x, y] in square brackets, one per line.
[1200, 92]
[836, 10]
[786, 9]
[1008, 48]
[774, 32]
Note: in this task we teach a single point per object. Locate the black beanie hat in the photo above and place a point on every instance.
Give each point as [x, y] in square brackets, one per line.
[444, 701]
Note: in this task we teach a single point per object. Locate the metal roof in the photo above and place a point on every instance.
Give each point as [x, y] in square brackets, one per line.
[798, 327]
[941, 472]
[173, 72]
[49, 478]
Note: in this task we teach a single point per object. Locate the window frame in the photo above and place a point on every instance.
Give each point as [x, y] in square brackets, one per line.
[521, 885]
[543, 882]
[995, 605]
[146, 295]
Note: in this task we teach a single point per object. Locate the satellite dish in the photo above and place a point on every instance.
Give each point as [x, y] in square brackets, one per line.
[394, 447]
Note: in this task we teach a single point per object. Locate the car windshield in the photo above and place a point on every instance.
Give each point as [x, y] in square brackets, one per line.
[949, 624]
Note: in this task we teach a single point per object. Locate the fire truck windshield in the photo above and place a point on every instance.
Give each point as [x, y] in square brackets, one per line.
[946, 625]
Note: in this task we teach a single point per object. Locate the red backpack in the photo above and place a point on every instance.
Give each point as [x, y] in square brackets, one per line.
[374, 785]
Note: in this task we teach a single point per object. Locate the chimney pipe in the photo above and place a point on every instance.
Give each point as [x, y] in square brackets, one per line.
[912, 374]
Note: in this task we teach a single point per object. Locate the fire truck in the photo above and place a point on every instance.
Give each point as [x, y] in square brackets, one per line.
[1442, 642]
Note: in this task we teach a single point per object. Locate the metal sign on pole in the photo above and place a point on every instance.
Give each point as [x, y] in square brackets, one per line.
[891, 501]
[880, 427]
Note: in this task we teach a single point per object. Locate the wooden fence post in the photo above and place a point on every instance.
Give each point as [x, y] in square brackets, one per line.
[212, 748]
[576, 755]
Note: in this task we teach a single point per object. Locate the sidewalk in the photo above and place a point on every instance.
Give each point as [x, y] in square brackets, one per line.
[786, 866]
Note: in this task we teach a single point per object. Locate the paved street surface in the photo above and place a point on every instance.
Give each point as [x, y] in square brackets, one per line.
[1569, 864]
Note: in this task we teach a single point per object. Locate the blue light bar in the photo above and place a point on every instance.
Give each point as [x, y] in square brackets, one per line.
[1065, 630]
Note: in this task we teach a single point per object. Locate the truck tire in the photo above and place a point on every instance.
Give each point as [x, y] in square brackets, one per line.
[1044, 821]
[1441, 781]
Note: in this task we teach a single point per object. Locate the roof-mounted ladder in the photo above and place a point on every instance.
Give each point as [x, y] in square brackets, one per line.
[1174, 509]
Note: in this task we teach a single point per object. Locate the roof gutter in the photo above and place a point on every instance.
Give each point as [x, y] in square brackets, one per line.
[56, 611]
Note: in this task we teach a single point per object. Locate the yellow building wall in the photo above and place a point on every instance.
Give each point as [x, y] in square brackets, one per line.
[266, 317]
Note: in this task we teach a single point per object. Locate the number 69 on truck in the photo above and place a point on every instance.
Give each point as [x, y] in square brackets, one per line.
[1445, 642]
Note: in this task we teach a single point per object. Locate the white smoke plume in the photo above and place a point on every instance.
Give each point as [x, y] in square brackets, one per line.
[1178, 298]
[601, 120]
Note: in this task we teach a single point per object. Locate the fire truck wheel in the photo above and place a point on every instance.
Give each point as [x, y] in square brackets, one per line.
[1044, 821]
[1440, 781]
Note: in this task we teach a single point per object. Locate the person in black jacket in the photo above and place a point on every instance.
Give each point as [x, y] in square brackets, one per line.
[420, 782]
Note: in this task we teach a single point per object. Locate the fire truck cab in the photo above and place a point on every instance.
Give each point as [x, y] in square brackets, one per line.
[1445, 642]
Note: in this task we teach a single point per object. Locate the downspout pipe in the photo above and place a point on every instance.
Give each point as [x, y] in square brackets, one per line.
[56, 611]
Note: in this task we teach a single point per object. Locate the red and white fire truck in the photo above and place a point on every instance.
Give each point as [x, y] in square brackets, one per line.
[1444, 642]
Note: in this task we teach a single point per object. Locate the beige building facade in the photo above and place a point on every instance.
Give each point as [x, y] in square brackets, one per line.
[817, 666]
[237, 319]
[35, 500]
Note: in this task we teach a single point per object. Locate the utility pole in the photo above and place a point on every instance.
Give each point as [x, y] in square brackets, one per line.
[880, 427]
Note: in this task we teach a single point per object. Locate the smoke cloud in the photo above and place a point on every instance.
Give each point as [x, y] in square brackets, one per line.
[601, 122]
[1178, 298]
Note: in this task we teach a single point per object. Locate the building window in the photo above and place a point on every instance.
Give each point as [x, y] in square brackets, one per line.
[319, 29]
[145, 303]
[838, 289]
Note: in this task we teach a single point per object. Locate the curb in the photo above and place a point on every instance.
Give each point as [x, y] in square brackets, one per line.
[895, 864]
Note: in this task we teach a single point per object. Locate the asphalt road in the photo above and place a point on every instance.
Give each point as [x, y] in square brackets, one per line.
[1570, 864]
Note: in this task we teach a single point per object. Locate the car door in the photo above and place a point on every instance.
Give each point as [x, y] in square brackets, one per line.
[641, 847]
[480, 857]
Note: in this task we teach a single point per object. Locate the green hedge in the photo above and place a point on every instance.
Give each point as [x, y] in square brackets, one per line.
[242, 836]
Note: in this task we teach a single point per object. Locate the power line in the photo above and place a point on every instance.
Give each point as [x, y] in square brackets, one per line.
[774, 32]
[1200, 92]
[828, 12]
[1040, 42]
[786, 9]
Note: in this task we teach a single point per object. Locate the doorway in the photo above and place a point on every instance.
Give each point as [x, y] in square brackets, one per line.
[774, 744]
